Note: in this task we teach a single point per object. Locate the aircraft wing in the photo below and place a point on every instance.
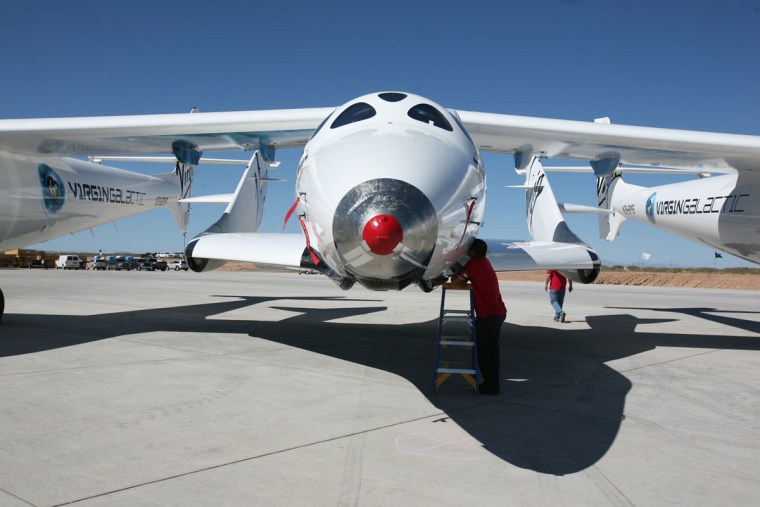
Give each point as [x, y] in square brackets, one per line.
[598, 141]
[540, 255]
[270, 249]
[241, 130]
[247, 130]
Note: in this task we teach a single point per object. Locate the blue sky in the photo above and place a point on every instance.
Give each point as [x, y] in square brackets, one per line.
[676, 64]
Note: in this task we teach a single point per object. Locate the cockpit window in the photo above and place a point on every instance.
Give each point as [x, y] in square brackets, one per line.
[392, 96]
[430, 115]
[355, 112]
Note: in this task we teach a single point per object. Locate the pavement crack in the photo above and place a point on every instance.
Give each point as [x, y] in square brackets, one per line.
[250, 458]
[16, 496]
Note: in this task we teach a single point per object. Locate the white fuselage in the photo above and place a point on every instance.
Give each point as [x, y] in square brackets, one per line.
[423, 176]
[43, 198]
[719, 211]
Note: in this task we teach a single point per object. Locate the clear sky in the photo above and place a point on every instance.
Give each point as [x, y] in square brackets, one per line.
[675, 63]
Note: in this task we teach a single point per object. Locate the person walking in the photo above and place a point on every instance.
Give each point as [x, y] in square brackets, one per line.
[490, 313]
[555, 284]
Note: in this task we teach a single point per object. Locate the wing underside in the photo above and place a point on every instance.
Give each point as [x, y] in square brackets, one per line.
[656, 147]
[113, 135]
[508, 255]
[267, 249]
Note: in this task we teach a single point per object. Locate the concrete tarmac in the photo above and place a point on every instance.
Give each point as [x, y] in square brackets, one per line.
[260, 388]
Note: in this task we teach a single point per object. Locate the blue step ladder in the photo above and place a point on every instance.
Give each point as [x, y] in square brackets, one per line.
[456, 353]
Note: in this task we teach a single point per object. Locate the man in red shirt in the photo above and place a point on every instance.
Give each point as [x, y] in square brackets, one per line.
[555, 284]
[490, 313]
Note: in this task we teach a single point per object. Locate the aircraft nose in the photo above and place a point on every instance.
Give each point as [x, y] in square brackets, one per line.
[385, 231]
[382, 234]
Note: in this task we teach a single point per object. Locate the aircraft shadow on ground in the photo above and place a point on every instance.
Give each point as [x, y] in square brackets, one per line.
[558, 414]
[711, 314]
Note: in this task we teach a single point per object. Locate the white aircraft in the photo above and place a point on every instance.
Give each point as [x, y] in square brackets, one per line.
[720, 211]
[390, 190]
[45, 196]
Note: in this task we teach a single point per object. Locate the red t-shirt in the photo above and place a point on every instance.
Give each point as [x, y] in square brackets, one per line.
[485, 287]
[558, 281]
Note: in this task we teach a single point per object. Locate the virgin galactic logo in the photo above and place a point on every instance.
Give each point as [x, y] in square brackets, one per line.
[650, 206]
[53, 190]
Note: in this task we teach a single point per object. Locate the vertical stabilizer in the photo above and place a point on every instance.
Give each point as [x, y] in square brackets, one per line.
[243, 213]
[609, 224]
[545, 220]
[245, 210]
[188, 156]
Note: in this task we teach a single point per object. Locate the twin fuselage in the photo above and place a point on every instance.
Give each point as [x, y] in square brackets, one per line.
[391, 191]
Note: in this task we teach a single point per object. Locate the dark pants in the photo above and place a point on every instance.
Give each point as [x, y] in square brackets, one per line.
[488, 329]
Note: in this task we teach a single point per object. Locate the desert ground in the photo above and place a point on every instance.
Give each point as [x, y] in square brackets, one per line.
[657, 279]
[695, 279]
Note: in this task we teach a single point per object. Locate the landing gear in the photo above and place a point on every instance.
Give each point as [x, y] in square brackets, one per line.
[2, 306]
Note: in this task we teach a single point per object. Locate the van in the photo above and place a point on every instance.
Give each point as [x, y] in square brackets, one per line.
[68, 262]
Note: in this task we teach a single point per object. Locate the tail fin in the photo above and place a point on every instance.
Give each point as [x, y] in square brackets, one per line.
[549, 229]
[545, 221]
[242, 215]
[188, 156]
[609, 225]
[245, 210]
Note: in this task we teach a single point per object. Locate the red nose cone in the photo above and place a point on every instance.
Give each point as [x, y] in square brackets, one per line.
[382, 234]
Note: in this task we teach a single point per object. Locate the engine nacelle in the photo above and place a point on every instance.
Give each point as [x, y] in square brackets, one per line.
[582, 275]
[199, 264]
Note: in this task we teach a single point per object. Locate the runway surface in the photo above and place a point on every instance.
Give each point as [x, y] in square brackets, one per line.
[138, 388]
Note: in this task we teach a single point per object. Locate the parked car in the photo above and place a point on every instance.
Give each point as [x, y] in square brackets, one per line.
[143, 263]
[67, 262]
[129, 265]
[98, 263]
[179, 264]
[125, 264]
[160, 265]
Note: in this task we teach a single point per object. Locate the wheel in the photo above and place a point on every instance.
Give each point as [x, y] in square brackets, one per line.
[2, 305]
